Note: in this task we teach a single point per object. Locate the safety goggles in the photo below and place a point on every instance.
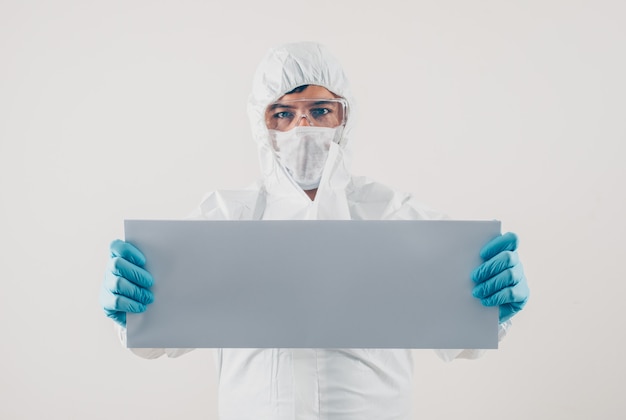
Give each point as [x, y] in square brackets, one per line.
[285, 115]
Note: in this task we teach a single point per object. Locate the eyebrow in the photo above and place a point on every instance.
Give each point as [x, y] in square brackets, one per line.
[282, 105]
[279, 105]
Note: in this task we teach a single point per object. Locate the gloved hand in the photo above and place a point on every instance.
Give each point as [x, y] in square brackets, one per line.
[500, 280]
[126, 284]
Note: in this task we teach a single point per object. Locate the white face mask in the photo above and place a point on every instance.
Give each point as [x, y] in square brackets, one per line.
[303, 151]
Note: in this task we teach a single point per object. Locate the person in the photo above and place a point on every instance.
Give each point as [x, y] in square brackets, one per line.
[301, 112]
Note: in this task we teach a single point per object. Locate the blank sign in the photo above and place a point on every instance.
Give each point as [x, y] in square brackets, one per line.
[312, 284]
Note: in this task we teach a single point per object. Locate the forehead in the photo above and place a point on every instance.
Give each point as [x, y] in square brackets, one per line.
[310, 92]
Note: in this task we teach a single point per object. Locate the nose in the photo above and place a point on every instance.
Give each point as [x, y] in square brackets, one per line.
[303, 121]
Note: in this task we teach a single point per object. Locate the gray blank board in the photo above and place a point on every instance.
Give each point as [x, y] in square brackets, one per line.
[312, 284]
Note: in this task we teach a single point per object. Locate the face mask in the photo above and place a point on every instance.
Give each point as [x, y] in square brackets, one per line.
[303, 151]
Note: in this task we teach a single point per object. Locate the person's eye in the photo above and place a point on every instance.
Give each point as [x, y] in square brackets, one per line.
[283, 114]
[319, 112]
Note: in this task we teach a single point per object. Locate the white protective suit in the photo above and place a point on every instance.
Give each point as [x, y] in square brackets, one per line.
[288, 384]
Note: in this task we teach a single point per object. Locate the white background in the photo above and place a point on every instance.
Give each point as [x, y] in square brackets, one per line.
[487, 109]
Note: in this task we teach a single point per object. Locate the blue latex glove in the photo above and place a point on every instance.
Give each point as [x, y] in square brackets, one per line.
[126, 284]
[500, 280]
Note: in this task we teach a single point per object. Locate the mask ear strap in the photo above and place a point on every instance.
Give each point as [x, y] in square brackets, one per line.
[339, 135]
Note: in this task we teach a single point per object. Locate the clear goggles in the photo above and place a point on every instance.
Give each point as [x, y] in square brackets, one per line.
[283, 115]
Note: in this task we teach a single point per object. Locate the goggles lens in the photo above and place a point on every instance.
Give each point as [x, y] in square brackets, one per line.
[285, 115]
